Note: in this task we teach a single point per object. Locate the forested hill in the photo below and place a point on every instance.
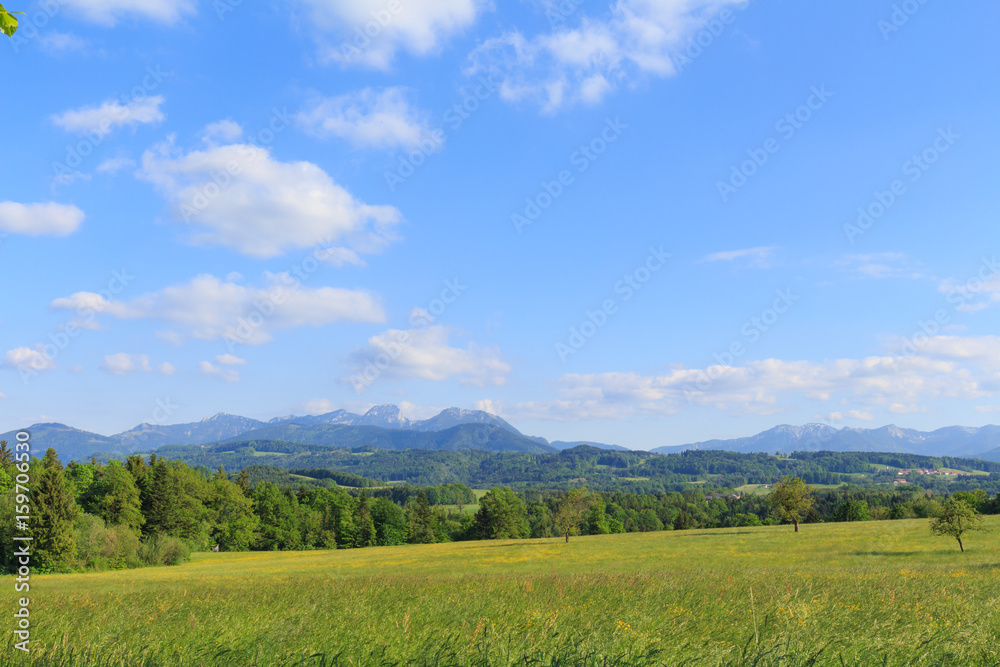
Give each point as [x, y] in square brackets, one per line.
[596, 468]
[486, 437]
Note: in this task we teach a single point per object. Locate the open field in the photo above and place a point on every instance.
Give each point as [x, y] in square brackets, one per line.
[885, 593]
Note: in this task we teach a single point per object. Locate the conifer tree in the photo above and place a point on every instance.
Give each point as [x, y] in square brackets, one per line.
[55, 508]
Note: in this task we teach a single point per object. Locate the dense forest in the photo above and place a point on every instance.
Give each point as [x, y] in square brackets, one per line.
[599, 469]
[140, 511]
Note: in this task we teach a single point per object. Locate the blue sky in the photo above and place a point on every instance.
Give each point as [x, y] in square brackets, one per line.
[649, 223]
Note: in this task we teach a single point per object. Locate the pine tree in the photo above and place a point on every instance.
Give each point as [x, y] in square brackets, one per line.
[55, 508]
[422, 521]
[243, 481]
[163, 501]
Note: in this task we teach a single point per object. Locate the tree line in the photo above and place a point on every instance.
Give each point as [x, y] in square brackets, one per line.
[603, 470]
[156, 511]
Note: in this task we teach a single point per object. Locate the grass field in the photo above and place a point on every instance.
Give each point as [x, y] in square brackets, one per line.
[877, 593]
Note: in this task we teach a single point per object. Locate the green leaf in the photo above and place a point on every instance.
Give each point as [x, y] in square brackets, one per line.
[8, 23]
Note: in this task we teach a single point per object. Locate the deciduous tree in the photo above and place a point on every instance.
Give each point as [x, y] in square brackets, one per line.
[571, 510]
[957, 518]
[791, 499]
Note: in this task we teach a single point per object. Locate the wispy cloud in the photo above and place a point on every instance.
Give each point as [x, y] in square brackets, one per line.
[759, 258]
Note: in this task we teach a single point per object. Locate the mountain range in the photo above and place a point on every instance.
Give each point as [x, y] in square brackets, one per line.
[962, 441]
[384, 427]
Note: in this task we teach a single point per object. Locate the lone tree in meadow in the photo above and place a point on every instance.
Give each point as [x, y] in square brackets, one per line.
[791, 499]
[570, 512]
[957, 519]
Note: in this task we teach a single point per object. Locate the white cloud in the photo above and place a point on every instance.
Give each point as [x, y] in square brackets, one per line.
[111, 114]
[49, 219]
[371, 119]
[166, 368]
[489, 405]
[567, 66]
[419, 27]
[943, 368]
[226, 131]
[427, 354]
[977, 293]
[70, 178]
[115, 164]
[230, 360]
[109, 12]
[209, 309]
[29, 359]
[124, 363]
[881, 265]
[756, 257]
[60, 42]
[262, 207]
[227, 375]
[319, 406]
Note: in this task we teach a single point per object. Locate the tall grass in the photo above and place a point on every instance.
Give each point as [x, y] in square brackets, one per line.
[878, 593]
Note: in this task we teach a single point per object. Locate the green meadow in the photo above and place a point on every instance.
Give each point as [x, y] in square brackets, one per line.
[874, 593]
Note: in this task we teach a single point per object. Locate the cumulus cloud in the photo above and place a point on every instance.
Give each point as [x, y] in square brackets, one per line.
[226, 131]
[238, 196]
[225, 374]
[109, 12]
[207, 308]
[370, 119]
[426, 353]
[28, 359]
[370, 32]
[110, 115]
[124, 363]
[230, 360]
[583, 64]
[943, 368]
[166, 368]
[49, 219]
